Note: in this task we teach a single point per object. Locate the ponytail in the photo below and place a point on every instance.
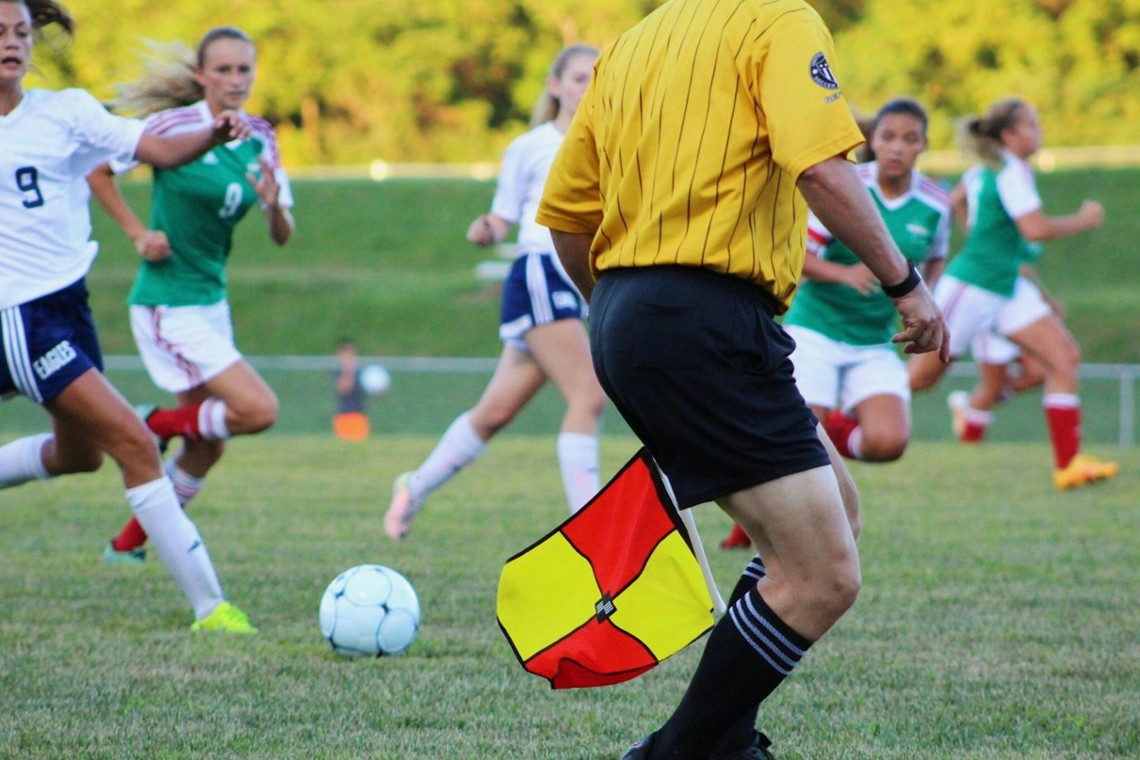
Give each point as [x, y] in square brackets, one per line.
[981, 135]
[46, 13]
[169, 80]
[546, 108]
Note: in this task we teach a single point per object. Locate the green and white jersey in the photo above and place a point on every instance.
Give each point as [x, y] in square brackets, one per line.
[198, 205]
[919, 223]
[995, 249]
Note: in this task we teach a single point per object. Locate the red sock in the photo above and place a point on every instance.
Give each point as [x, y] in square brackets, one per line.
[737, 539]
[1064, 421]
[973, 432]
[132, 536]
[839, 427]
[169, 423]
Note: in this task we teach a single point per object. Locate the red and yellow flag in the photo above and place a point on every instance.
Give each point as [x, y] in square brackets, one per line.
[609, 593]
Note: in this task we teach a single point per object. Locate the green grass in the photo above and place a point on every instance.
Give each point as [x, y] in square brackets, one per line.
[387, 263]
[998, 617]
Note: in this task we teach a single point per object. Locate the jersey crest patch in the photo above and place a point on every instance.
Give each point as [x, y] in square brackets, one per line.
[821, 74]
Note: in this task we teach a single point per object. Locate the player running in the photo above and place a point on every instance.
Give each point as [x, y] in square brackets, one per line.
[846, 367]
[49, 140]
[541, 317]
[982, 288]
[179, 313]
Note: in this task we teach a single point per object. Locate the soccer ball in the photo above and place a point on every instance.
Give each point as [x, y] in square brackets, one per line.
[375, 380]
[369, 611]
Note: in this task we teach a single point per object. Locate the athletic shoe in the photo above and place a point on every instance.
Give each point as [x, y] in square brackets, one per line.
[639, 748]
[225, 618]
[402, 510]
[113, 556]
[958, 402]
[144, 411]
[1083, 470]
[737, 539]
[757, 750]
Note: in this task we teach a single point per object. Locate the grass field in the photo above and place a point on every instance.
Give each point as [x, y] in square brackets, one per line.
[998, 618]
[387, 263]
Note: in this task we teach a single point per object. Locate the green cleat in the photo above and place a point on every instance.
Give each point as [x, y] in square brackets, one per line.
[112, 556]
[226, 618]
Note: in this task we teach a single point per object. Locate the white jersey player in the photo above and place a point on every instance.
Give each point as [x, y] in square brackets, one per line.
[48, 142]
[540, 323]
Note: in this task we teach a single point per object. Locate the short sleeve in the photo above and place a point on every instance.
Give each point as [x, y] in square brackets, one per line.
[817, 235]
[808, 120]
[1017, 189]
[271, 153]
[101, 136]
[511, 187]
[572, 197]
[940, 243]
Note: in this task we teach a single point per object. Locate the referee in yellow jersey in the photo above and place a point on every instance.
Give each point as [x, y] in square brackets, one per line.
[677, 202]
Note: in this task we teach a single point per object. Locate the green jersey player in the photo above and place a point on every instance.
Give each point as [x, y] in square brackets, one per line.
[982, 290]
[179, 313]
[845, 365]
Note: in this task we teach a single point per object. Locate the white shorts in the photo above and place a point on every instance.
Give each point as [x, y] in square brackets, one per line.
[1026, 307]
[970, 311]
[184, 346]
[990, 348]
[838, 375]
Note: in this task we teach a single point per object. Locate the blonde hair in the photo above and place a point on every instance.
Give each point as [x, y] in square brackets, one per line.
[47, 12]
[169, 79]
[546, 108]
[982, 135]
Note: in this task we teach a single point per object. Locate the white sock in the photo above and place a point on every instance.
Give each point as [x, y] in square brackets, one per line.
[212, 420]
[980, 417]
[1061, 401]
[578, 459]
[22, 460]
[177, 542]
[855, 442]
[458, 447]
[186, 486]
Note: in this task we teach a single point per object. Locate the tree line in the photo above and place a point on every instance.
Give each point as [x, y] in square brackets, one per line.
[454, 80]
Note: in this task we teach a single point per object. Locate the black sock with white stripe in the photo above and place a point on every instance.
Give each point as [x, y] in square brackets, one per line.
[749, 653]
[741, 733]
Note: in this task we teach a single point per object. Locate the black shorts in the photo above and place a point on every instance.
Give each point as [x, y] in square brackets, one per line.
[698, 367]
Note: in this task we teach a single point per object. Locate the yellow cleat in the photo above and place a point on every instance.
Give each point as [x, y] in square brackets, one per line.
[226, 618]
[1084, 470]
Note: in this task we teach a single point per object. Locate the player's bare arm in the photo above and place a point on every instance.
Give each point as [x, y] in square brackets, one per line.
[152, 245]
[169, 151]
[574, 252]
[840, 200]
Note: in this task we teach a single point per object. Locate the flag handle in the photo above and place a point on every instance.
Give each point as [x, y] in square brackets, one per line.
[703, 561]
[698, 548]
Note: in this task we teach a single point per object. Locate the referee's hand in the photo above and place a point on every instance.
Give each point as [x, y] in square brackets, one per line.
[923, 328]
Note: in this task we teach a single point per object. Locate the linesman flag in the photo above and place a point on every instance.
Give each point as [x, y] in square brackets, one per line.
[609, 593]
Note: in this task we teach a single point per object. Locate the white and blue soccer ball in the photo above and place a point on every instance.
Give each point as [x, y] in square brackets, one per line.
[370, 611]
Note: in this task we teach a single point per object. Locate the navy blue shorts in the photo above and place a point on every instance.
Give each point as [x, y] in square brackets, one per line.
[48, 343]
[536, 292]
[698, 367]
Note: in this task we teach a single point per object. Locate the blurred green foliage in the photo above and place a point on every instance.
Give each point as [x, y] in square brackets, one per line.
[454, 80]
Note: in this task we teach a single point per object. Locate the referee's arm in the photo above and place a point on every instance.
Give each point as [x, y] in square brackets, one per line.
[839, 199]
[574, 252]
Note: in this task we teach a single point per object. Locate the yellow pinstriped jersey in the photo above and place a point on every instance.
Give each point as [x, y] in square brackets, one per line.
[687, 146]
